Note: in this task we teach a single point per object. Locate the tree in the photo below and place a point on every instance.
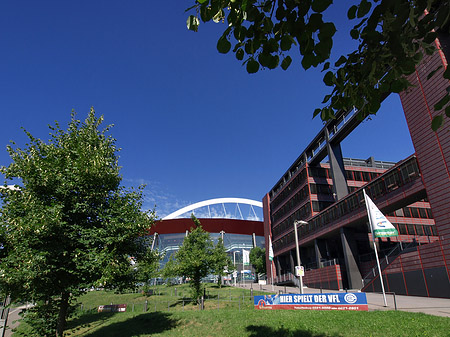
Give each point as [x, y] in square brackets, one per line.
[194, 257]
[171, 268]
[258, 259]
[392, 37]
[69, 225]
[220, 261]
[147, 266]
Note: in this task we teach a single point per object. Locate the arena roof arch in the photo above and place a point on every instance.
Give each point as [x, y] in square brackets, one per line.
[216, 201]
[179, 221]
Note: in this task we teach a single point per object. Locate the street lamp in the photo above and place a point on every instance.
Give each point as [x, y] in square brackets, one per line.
[296, 223]
[235, 269]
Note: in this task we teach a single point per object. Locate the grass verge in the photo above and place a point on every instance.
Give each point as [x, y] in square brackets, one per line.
[223, 317]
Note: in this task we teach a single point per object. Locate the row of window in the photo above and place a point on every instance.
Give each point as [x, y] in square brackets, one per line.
[407, 229]
[293, 185]
[322, 172]
[319, 206]
[404, 173]
[361, 175]
[403, 229]
[302, 213]
[296, 200]
[321, 189]
[413, 212]
[319, 172]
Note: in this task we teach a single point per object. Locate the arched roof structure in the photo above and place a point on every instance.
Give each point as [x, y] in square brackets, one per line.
[210, 202]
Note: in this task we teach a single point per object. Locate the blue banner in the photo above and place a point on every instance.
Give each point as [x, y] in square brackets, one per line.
[327, 301]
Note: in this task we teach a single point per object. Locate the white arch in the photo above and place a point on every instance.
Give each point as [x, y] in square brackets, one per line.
[213, 202]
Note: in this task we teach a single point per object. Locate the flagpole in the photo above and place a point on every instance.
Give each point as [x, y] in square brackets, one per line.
[271, 273]
[375, 247]
[242, 271]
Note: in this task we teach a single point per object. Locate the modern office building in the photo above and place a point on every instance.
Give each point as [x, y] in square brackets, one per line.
[335, 244]
[237, 221]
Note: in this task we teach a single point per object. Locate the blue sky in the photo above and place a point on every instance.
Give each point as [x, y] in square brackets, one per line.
[192, 124]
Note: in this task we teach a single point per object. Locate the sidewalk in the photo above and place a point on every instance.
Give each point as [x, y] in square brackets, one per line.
[427, 305]
[13, 319]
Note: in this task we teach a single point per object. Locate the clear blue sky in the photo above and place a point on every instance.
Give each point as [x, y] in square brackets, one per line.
[192, 124]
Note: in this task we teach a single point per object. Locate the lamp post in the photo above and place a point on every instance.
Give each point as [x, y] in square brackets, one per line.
[298, 222]
[235, 269]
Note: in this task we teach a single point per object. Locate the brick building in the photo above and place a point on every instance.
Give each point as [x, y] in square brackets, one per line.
[335, 245]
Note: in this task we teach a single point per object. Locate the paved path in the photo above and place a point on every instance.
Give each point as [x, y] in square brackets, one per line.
[427, 305]
[13, 319]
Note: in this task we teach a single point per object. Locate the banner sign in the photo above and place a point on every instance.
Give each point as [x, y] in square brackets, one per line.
[112, 308]
[328, 301]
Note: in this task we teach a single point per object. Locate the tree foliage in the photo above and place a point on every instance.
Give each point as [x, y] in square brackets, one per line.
[392, 36]
[69, 226]
[193, 259]
[258, 259]
[220, 261]
[147, 266]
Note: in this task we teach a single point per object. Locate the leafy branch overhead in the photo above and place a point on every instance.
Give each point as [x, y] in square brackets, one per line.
[392, 35]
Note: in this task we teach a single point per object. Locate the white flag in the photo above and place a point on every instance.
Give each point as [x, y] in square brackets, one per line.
[270, 249]
[245, 257]
[381, 226]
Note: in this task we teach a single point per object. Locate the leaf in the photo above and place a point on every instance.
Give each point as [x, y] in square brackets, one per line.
[252, 66]
[219, 16]
[341, 61]
[286, 42]
[240, 54]
[447, 73]
[431, 74]
[327, 30]
[328, 79]
[437, 122]
[447, 111]
[412, 18]
[364, 8]
[326, 98]
[316, 112]
[351, 14]
[439, 105]
[192, 23]
[430, 37]
[286, 62]
[326, 66]
[354, 34]
[397, 86]
[315, 21]
[264, 59]
[273, 62]
[320, 5]
[223, 45]
[307, 61]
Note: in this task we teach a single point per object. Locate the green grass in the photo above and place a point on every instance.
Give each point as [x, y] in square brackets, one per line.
[237, 317]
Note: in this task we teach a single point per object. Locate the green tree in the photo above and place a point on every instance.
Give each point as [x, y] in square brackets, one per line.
[194, 257]
[69, 225]
[147, 266]
[392, 37]
[171, 268]
[220, 261]
[258, 259]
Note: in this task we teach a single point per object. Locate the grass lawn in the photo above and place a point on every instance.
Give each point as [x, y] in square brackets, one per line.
[230, 312]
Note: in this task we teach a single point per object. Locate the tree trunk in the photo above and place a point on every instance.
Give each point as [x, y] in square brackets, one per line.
[63, 307]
